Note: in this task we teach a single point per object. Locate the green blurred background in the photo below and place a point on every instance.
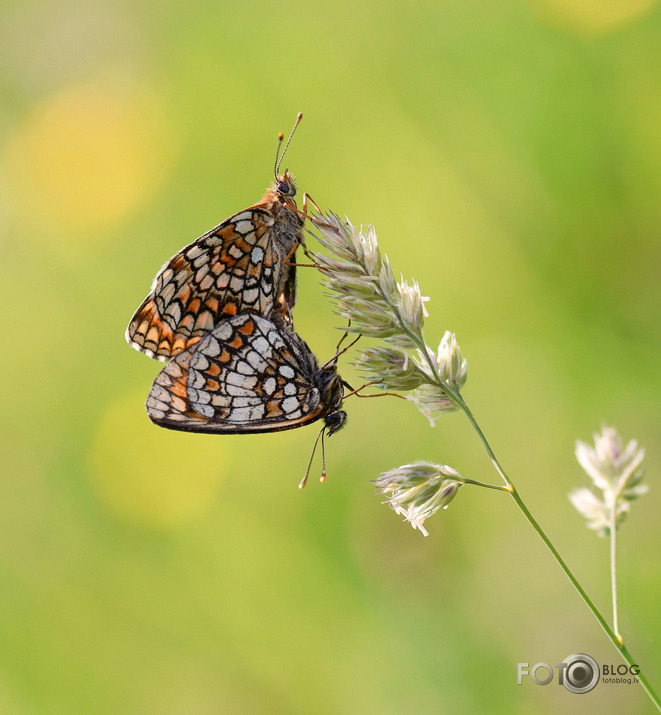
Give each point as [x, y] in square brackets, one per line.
[508, 153]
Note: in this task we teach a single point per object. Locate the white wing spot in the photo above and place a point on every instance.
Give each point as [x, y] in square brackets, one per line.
[199, 362]
[286, 371]
[167, 293]
[250, 296]
[174, 311]
[261, 346]
[211, 346]
[159, 392]
[204, 410]
[290, 388]
[275, 339]
[257, 255]
[223, 331]
[257, 362]
[198, 397]
[240, 386]
[245, 401]
[196, 380]
[243, 227]
[244, 368]
[289, 405]
[269, 385]
[246, 414]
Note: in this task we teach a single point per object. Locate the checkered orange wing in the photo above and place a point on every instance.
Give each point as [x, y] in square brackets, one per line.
[249, 374]
[243, 264]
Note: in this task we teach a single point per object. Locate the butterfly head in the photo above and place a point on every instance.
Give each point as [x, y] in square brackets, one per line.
[334, 421]
[285, 185]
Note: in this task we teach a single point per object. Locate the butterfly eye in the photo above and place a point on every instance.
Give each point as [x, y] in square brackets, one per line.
[286, 189]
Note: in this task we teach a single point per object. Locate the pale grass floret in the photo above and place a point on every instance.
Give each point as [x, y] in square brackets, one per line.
[391, 367]
[615, 473]
[432, 401]
[418, 490]
[362, 283]
[431, 398]
[366, 293]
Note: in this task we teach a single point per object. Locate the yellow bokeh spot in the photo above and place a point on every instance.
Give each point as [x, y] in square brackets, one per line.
[87, 157]
[593, 16]
[150, 475]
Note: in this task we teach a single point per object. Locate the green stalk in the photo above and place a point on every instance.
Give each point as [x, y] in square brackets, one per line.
[455, 396]
[499, 487]
[613, 537]
[614, 638]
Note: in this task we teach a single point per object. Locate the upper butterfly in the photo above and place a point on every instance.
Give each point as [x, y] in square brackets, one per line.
[245, 264]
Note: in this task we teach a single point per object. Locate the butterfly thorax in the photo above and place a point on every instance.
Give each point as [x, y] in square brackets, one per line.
[332, 392]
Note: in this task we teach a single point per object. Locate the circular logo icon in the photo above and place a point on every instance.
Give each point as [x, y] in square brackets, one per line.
[581, 674]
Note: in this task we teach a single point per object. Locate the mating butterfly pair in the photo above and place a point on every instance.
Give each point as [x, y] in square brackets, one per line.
[220, 310]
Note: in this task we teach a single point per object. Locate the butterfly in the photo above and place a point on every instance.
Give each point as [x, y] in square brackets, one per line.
[245, 264]
[249, 374]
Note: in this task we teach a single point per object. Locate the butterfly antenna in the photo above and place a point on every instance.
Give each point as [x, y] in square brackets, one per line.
[322, 478]
[284, 151]
[314, 449]
[281, 136]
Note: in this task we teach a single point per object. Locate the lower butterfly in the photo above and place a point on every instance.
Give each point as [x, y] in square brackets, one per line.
[249, 374]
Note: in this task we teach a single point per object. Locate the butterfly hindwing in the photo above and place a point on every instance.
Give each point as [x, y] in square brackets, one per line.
[248, 374]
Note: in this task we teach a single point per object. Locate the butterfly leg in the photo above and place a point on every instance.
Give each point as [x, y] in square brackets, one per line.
[304, 213]
[378, 394]
[300, 265]
[339, 352]
[345, 335]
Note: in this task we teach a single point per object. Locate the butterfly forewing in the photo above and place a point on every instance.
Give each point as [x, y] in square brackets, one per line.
[248, 374]
[236, 267]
